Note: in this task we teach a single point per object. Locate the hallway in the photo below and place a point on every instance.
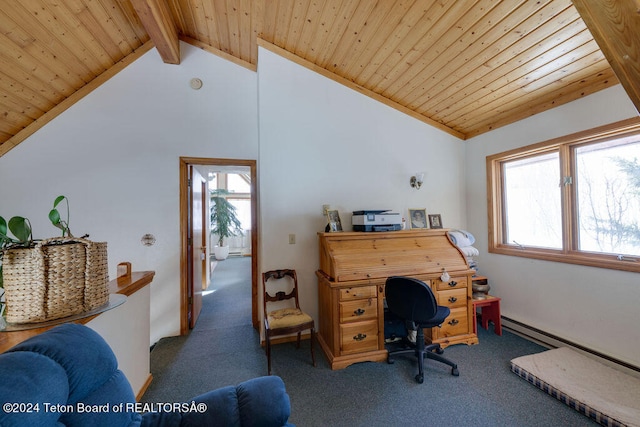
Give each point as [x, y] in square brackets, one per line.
[227, 301]
[222, 349]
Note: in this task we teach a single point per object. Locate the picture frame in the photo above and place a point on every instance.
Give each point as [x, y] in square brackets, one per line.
[334, 221]
[435, 221]
[418, 219]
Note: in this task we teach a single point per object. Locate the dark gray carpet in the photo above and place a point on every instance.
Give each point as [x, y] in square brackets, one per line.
[224, 349]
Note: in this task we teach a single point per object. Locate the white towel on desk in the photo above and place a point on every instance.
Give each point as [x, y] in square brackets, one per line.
[470, 251]
[462, 238]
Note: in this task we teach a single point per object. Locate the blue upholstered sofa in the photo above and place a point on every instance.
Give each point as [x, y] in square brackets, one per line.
[68, 376]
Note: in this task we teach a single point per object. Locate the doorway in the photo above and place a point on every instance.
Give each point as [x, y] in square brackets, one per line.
[186, 215]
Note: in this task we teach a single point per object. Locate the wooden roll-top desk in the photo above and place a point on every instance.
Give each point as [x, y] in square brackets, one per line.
[353, 269]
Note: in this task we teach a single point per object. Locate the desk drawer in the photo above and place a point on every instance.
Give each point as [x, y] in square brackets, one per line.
[357, 337]
[455, 324]
[453, 283]
[453, 298]
[358, 310]
[347, 294]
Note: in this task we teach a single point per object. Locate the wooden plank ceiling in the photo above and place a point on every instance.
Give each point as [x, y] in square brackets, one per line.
[466, 66]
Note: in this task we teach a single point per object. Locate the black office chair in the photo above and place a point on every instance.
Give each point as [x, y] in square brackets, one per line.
[413, 301]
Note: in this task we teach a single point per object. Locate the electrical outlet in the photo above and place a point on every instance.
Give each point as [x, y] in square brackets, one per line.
[325, 209]
[292, 239]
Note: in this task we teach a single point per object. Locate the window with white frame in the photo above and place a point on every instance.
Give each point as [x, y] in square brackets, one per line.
[574, 199]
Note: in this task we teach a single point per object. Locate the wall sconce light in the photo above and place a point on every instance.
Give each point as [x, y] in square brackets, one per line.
[417, 180]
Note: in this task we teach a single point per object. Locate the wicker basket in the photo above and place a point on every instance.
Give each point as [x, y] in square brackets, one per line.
[59, 277]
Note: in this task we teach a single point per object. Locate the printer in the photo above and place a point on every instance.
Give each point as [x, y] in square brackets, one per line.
[377, 220]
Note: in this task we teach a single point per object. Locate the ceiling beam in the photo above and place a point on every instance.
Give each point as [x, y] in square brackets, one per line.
[157, 20]
[615, 26]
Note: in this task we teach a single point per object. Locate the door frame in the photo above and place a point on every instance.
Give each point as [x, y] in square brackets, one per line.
[184, 227]
[196, 263]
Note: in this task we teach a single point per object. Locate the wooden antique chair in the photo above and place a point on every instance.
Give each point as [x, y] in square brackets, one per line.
[284, 321]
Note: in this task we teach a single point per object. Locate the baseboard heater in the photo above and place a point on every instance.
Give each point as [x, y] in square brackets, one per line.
[552, 341]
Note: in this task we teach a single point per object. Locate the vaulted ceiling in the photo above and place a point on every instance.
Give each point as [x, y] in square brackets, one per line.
[464, 66]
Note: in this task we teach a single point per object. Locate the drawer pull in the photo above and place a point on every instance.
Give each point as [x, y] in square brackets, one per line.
[359, 312]
[453, 299]
[360, 337]
[453, 283]
[453, 322]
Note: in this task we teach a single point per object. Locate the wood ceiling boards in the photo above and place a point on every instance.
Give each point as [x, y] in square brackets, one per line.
[466, 67]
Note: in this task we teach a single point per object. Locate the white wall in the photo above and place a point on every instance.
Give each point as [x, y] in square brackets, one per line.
[322, 143]
[594, 307]
[115, 155]
[129, 343]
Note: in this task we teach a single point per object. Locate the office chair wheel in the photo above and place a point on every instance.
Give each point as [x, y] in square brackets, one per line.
[439, 350]
[419, 378]
[454, 372]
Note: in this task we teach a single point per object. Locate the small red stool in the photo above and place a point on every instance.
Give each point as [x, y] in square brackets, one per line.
[490, 311]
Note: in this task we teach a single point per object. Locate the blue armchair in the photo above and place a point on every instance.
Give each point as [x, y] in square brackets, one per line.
[68, 376]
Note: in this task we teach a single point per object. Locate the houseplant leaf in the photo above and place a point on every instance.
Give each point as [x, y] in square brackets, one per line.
[21, 228]
[54, 217]
[58, 200]
[3, 231]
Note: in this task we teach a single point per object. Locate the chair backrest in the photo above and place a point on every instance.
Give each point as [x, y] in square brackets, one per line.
[290, 289]
[410, 299]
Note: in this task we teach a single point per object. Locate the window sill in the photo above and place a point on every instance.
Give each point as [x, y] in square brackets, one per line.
[592, 260]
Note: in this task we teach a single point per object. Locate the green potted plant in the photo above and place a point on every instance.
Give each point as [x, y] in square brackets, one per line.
[224, 222]
[20, 228]
[37, 291]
